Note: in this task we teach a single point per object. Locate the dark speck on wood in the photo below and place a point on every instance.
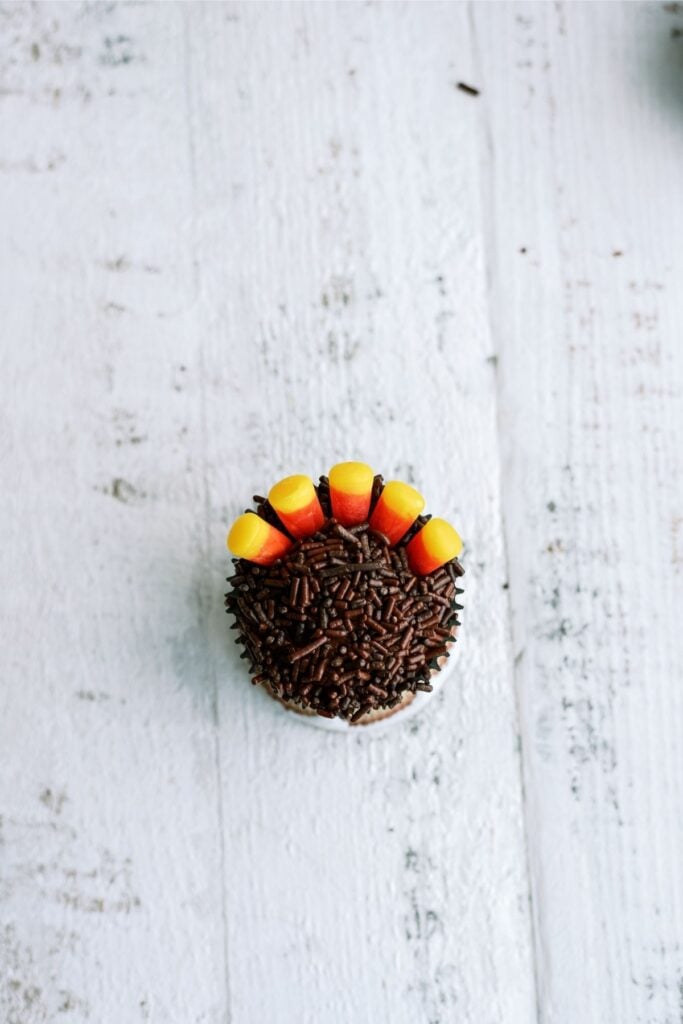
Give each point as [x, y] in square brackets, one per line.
[92, 695]
[53, 801]
[469, 89]
[134, 439]
[118, 264]
[122, 490]
[118, 51]
[411, 859]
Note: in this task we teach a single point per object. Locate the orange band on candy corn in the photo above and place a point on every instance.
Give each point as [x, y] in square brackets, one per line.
[436, 543]
[398, 507]
[297, 506]
[251, 537]
[350, 492]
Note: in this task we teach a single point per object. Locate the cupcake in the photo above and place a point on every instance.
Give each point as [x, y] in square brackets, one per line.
[344, 594]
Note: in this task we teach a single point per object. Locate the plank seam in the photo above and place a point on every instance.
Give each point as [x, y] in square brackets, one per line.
[485, 178]
[204, 604]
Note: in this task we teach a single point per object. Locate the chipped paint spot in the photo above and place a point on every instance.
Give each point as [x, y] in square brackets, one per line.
[54, 801]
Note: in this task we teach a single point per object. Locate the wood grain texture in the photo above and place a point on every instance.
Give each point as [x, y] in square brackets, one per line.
[343, 314]
[111, 845]
[584, 128]
[239, 240]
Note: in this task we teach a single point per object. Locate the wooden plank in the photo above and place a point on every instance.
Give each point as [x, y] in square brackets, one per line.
[342, 310]
[584, 162]
[110, 892]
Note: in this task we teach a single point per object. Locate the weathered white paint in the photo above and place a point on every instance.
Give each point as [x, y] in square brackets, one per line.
[244, 239]
[339, 259]
[111, 838]
[584, 122]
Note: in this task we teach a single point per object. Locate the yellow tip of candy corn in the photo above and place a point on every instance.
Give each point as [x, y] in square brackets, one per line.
[291, 494]
[403, 499]
[296, 503]
[247, 535]
[251, 537]
[442, 541]
[398, 507]
[351, 477]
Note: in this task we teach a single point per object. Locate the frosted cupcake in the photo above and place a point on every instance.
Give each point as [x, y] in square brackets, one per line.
[344, 595]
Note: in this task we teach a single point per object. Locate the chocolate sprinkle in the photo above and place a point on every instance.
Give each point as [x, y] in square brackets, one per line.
[340, 625]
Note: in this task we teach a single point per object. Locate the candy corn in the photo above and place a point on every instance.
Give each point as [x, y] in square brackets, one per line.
[256, 540]
[398, 507]
[297, 506]
[437, 542]
[350, 492]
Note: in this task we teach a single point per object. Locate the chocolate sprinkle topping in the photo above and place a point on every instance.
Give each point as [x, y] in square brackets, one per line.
[340, 625]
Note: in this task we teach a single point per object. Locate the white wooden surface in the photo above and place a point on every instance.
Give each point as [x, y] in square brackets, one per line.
[240, 240]
[585, 137]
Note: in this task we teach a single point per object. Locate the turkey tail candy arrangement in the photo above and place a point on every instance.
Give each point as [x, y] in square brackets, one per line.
[344, 595]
